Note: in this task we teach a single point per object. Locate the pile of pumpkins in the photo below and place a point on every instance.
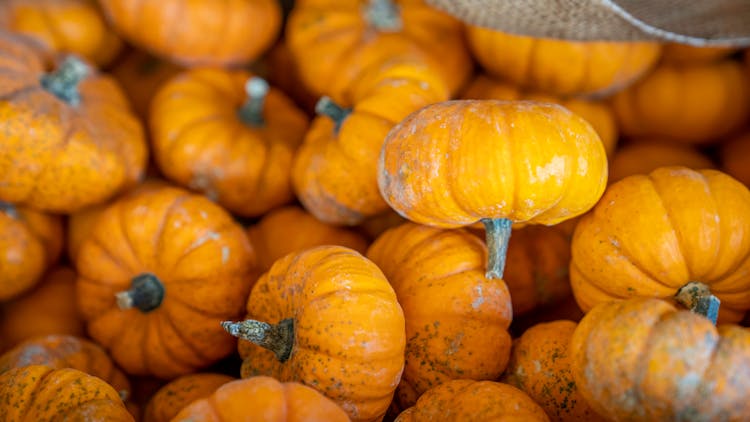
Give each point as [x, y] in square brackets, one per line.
[365, 210]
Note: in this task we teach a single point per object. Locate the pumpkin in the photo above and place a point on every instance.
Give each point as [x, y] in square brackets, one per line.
[160, 270]
[646, 155]
[173, 397]
[644, 359]
[598, 113]
[651, 235]
[376, 225]
[686, 54]
[291, 229]
[334, 172]
[69, 139]
[326, 317]
[561, 67]
[567, 309]
[143, 74]
[48, 308]
[541, 366]
[456, 319]
[70, 26]
[335, 43]
[65, 351]
[696, 103]
[474, 401]
[455, 163]
[282, 71]
[30, 242]
[42, 393]
[734, 155]
[198, 33]
[263, 398]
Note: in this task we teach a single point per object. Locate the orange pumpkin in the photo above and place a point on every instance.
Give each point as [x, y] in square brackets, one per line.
[456, 319]
[264, 398]
[282, 71]
[69, 139]
[229, 136]
[456, 163]
[41, 393]
[335, 170]
[647, 155]
[643, 359]
[198, 33]
[161, 268]
[541, 366]
[696, 103]
[735, 158]
[70, 26]
[30, 242]
[142, 74]
[291, 229]
[650, 235]
[335, 43]
[686, 54]
[561, 67]
[326, 317]
[598, 113]
[178, 394]
[375, 226]
[474, 401]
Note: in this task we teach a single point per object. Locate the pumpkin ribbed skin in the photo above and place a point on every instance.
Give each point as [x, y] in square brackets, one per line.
[647, 155]
[735, 158]
[642, 359]
[166, 403]
[198, 32]
[196, 252]
[202, 143]
[456, 319]
[143, 74]
[561, 67]
[652, 234]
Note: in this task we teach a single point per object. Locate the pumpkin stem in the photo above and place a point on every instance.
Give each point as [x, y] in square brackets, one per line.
[326, 107]
[146, 293]
[9, 209]
[697, 297]
[384, 15]
[497, 232]
[63, 82]
[251, 113]
[277, 338]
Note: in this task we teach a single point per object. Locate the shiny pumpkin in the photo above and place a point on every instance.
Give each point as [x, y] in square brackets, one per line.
[735, 158]
[166, 403]
[646, 155]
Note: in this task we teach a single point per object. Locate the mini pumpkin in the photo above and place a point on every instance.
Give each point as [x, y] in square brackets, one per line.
[686, 54]
[326, 317]
[646, 155]
[735, 157]
[456, 163]
[228, 135]
[143, 74]
[160, 270]
[178, 394]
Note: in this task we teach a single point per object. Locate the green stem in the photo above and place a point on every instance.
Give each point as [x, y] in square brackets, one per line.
[697, 297]
[277, 338]
[327, 107]
[9, 209]
[146, 293]
[251, 113]
[63, 82]
[498, 235]
[384, 15]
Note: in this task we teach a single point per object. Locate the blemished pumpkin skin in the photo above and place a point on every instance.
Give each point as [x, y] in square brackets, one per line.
[334, 173]
[339, 329]
[143, 74]
[686, 54]
[474, 401]
[64, 351]
[598, 113]
[173, 397]
[198, 33]
[456, 319]
[228, 135]
[30, 242]
[67, 26]
[644, 359]
[652, 234]
[291, 229]
[646, 155]
[456, 163]
[42, 393]
[69, 139]
[159, 272]
[561, 67]
[263, 398]
[335, 42]
[541, 366]
[698, 103]
[735, 158]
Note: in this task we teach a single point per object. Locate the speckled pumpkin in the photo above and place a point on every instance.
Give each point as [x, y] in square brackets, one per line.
[173, 397]
[735, 158]
[326, 317]
[160, 270]
[142, 74]
[643, 156]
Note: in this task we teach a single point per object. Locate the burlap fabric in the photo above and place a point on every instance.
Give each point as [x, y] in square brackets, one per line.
[696, 22]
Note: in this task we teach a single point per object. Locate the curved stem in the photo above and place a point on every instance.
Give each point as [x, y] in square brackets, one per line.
[498, 235]
[277, 338]
[384, 15]
[697, 297]
[9, 209]
[326, 107]
[251, 113]
[146, 293]
[63, 82]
